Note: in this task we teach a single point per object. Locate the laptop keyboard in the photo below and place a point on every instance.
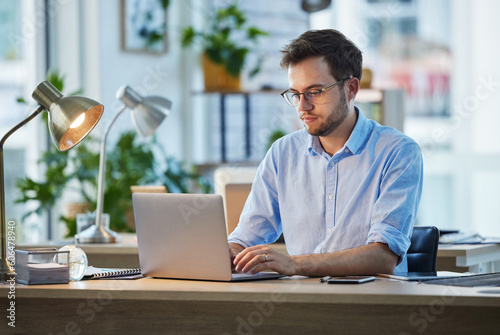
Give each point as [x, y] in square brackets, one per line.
[481, 279]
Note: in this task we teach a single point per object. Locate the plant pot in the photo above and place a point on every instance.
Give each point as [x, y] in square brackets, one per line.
[217, 78]
[73, 208]
[366, 78]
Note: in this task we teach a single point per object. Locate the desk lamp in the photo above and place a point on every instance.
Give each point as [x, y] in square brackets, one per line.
[70, 120]
[147, 114]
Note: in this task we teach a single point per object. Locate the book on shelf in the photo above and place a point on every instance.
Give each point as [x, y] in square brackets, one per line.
[114, 273]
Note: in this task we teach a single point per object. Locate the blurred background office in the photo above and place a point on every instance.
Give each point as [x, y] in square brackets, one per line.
[441, 54]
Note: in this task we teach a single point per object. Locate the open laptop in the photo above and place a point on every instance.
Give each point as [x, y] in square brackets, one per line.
[183, 236]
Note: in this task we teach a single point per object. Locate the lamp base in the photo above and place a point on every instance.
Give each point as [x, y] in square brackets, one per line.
[97, 234]
[7, 274]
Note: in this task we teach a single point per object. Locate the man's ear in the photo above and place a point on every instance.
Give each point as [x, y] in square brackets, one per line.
[352, 88]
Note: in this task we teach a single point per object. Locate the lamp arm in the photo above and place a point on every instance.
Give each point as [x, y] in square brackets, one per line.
[20, 124]
[102, 169]
[4, 265]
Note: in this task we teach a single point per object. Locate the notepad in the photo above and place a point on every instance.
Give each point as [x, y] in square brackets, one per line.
[96, 273]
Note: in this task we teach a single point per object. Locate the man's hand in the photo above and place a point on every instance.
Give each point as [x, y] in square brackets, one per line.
[261, 257]
[364, 260]
[234, 249]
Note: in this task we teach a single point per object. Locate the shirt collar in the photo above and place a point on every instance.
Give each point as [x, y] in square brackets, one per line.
[360, 132]
[358, 136]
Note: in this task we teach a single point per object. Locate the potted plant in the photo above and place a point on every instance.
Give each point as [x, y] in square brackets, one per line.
[225, 44]
[130, 163]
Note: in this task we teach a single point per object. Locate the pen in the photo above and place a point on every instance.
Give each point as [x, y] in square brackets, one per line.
[325, 279]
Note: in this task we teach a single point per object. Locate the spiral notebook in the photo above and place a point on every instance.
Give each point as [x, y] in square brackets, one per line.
[97, 273]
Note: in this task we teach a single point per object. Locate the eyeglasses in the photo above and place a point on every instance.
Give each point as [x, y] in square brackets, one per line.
[314, 96]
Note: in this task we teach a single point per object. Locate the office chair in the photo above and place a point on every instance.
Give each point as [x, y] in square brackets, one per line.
[422, 254]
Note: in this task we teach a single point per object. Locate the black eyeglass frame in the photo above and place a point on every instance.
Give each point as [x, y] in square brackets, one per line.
[318, 92]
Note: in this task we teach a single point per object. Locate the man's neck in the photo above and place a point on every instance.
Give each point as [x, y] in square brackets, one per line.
[337, 139]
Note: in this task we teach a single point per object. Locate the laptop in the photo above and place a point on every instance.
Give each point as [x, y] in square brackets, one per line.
[183, 236]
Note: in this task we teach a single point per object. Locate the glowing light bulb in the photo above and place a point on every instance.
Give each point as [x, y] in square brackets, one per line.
[78, 121]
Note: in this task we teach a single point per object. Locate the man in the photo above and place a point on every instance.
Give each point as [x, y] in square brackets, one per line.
[344, 191]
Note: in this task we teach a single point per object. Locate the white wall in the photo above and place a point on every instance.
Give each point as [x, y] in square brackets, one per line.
[149, 74]
[476, 105]
[88, 50]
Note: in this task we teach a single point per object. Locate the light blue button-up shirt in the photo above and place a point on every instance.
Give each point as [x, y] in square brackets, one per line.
[367, 192]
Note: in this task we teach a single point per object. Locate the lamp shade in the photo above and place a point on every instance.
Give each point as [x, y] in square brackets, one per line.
[147, 113]
[70, 118]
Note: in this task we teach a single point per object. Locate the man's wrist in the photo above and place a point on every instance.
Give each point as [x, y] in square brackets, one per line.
[299, 264]
[236, 248]
[307, 265]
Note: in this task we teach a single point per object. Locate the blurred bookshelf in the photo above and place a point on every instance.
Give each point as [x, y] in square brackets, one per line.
[386, 106]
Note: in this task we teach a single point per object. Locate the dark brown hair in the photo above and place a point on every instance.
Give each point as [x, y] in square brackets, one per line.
[343, 56]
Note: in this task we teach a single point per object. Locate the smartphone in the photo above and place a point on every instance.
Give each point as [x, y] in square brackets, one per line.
[350, 280]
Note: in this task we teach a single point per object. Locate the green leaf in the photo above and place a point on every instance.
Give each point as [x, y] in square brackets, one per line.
[77, 92]
[253, 33]
[70, 225]
[56, 79]
[154, 37]
[257, 68]
[275, 135]
[188, 35]
[236, 60]
[165, 4]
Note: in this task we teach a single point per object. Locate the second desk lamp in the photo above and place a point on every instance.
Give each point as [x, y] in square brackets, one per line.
[147, 114]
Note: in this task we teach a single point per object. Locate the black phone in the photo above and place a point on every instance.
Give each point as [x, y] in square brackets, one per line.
[350, 280]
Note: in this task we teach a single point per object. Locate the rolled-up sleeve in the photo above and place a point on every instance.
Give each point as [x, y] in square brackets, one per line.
[260, 221]
[395, 210]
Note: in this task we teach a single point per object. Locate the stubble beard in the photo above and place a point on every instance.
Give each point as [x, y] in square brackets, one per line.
[336, 117]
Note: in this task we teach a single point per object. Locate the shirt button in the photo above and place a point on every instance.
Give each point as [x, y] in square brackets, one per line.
[330, 197]
[346, 150]
[332, 163]
[329, 230]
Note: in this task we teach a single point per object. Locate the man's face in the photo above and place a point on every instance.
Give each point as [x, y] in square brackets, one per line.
[318, 119]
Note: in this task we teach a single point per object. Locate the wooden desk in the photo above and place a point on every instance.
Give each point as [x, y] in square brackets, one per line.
[469, 258]
[294, 305]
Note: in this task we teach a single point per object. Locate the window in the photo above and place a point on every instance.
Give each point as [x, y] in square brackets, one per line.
[17, 79]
